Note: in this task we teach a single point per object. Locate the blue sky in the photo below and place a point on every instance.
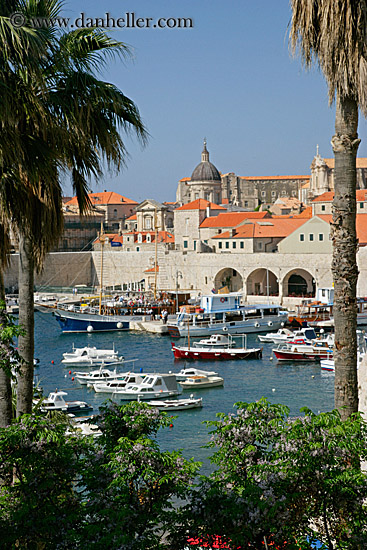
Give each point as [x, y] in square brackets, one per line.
[230, 79]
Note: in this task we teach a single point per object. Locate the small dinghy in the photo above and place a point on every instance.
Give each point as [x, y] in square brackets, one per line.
[197, 382]
[186, 373]
[177, 404]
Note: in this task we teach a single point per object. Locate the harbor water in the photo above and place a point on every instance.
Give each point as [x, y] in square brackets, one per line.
[293, 384]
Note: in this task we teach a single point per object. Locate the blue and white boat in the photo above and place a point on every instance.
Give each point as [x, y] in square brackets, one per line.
[224, 312]
[80, 319]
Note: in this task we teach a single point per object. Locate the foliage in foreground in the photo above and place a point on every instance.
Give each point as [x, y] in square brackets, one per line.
[286, 479]
[276, 479]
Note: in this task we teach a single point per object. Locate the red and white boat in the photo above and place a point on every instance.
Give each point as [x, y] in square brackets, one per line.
[302, 352]
[217, 348]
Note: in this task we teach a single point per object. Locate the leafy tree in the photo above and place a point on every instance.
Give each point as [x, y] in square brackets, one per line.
[56, 115]
[60, 490]
[333, 34]
[285, 479]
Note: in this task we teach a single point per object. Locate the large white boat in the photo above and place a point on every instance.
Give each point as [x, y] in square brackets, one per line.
[99, 375]
[115, 386]
[225, 313]
[154, 386]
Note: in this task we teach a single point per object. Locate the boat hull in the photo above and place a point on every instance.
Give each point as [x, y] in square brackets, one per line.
[178, 405]
[283, 355]
[83, 322]
[247, 326]
[214, 354]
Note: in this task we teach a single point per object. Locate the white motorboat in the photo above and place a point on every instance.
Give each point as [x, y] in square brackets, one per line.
[113, 386]
[91, 356]
[285, 335]
[99, 375]
[177, 404]
[154, 386]
[187, 373]
[197, 382]
[56, 402]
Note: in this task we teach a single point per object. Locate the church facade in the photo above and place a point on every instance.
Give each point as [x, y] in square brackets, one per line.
[206, 182]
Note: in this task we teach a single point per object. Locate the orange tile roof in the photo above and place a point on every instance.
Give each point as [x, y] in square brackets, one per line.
[131, 218]
[275, 178]
[152, 269]
[185, 179]
[231, 219]
[106, 197]
[360, 162]
[361, 195]
[361, 226]
[200, 204]
[306, 213]
[264, 229]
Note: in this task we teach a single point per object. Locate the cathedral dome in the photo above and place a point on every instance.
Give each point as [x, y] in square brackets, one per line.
[205, 171]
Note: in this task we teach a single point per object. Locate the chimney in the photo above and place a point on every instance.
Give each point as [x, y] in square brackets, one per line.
[233, 232]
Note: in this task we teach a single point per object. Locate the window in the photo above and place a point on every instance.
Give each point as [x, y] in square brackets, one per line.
[284, 193]
[227, 244]
[242, 244]
[310, 237]
[115, 213]
[148, 238]
[260, 245]
[138, 248]
[140, 238]
[196, 196]
[361, 204]
[246, 203]
[186, 244]
[263, 193]
[323, 208]
[273, 193]
[220, 244]
[219, 231]
[206, 280]
[294, 193]
[194, 245]
[321, 236]
[147, 222]
[301, 237]
[234, 244]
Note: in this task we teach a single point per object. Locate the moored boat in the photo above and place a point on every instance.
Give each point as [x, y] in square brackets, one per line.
[186, 373]
[99, 375]
[197, 382]
[224, 313]
[154, 386]
[217, 347]
[115, 386]
[177, 404]
[91, 356]
[302, 352]
[56, 402]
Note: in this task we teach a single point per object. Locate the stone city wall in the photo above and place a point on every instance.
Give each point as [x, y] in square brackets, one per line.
[194, 272]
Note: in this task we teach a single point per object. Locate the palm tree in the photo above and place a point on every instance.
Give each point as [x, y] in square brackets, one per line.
[333, 34]
[76, 127]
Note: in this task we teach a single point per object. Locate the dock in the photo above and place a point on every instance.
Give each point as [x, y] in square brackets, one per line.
[157, 327]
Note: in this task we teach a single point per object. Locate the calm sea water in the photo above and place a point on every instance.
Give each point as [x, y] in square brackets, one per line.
[292, 384]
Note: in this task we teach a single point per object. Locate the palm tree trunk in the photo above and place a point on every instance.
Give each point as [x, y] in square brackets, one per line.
[344, 266]
[5, 386]
[26, 320]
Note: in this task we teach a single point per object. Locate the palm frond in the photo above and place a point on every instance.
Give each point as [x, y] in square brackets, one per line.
[333, 33]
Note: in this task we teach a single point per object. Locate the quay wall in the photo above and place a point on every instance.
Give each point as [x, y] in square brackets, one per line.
[193, 271]
[60, 269]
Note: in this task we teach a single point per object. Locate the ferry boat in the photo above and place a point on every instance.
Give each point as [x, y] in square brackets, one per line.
[225, 313]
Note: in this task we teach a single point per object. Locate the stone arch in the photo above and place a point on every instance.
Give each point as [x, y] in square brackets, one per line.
[299, 283]
[262, 282]
[228, 277]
